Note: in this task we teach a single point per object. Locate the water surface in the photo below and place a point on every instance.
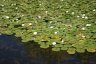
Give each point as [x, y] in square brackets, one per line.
[13, 51]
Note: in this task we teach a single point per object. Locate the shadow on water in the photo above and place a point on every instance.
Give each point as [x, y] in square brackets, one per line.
[12, 51]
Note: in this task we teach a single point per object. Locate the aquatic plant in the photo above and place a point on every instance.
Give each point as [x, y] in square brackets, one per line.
[60, 24]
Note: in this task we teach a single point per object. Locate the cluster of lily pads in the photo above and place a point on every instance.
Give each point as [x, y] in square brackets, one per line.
[60, 24]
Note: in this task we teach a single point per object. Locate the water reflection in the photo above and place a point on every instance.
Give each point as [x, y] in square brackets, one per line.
[50, 57]
[12, 51]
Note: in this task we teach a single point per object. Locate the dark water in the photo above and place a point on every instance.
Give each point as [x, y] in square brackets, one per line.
[12, 51]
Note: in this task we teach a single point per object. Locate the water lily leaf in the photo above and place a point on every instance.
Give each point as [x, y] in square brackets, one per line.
[44, 46]
[64, 48]
[91, 50]
[56, 49]
[71, 50]
[58, 45]
[80, 50]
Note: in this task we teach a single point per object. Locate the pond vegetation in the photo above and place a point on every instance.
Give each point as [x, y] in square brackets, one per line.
[57, 24]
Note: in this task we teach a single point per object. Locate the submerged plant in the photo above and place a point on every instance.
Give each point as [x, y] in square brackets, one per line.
[60, 24]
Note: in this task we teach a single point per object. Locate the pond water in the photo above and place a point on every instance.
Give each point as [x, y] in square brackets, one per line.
[13, 51]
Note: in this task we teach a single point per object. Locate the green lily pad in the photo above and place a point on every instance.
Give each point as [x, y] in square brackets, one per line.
[56, 49]
[44, 46]
[80, 50]
[71, 50]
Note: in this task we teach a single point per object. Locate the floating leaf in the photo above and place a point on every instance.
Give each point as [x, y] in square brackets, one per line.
[80, 50]
[64, 48]
[44, 46]
[91, 50]
[71, 50]
[58, 45]
[56, 49]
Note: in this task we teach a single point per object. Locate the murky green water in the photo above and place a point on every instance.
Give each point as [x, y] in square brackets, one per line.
[12, 51]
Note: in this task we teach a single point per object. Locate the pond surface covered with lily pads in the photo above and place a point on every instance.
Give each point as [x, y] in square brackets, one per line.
[12, 51]
[60, 24]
